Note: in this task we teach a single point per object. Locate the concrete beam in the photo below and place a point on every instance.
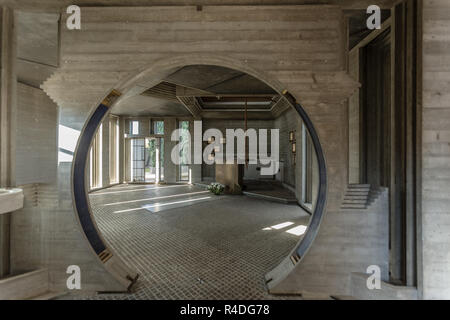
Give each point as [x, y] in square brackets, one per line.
[7, 95]
[56, 5]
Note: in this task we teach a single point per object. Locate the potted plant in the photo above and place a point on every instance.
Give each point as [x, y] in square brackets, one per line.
[216, 188]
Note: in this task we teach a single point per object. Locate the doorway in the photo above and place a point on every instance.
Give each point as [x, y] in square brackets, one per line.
[147, 162]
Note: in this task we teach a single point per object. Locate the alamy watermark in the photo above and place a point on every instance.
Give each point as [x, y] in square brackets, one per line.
[374, 20]
[74, 280]
[374, 280]
[251, 147]
[74, 19]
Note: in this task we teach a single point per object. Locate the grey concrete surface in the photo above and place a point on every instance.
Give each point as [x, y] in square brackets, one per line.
[436, 153]
[310, 66]
[210, 249]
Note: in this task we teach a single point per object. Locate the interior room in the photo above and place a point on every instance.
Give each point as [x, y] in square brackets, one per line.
[232, 149]
[135, 185]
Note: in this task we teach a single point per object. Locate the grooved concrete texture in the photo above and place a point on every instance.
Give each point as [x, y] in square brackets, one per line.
[436, 151]
[212, 249]
[37, 137]
[53, 5]
[302, 49]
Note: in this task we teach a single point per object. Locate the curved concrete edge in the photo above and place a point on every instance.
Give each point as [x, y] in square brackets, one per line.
[277, 275]
[149, 74]
[126, 276]
[111, 262]
[282, 271]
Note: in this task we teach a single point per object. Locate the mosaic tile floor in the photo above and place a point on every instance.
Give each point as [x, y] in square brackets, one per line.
[196, 245]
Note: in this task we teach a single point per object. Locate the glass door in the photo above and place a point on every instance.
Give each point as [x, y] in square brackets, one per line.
[184, 151]
[154, 169]
[138, 160]
[150, 160]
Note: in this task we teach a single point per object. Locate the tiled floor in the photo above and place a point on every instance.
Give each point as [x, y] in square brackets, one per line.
[195, 245]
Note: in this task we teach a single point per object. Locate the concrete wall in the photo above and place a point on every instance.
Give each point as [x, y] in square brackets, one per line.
[287, 122]
[35, 169]
[36, 137]
[436, 150]
[303, 52]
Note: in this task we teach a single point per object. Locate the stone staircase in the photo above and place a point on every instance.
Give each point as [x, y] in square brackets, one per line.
[360, 196]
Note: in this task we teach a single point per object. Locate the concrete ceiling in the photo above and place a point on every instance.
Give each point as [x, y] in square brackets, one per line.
[218, 80]
[194, 90]
[148, 106]
[56, 5]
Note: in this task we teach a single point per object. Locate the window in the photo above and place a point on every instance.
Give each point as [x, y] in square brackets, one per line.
[138, 160]
[134, 127]
[114, 149]
[95, 157]
[158, 127]
[184, 151]
[307, 168]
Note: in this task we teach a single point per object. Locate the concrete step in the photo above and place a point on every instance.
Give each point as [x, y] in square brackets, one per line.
[354, 185]
[354, 206]
[356, 197]
[358, 190]
[352, 197]
[24, 286]
[356, 201]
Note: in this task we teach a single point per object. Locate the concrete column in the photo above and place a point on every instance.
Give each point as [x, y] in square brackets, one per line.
[7, 125]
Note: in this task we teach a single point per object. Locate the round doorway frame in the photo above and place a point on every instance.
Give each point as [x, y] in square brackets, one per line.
[148, 76]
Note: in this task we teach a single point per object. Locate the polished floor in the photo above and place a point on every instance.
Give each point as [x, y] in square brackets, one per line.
[189, 244]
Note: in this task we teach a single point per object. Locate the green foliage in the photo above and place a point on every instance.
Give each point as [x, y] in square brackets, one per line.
[216, 188]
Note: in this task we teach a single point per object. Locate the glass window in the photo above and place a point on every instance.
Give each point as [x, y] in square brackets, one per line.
[158, 127]
[184, 150]
[134, 127]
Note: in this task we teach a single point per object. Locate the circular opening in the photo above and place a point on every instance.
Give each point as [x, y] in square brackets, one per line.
[160, 220]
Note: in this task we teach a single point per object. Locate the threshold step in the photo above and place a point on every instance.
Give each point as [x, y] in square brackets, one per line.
[270, 198]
